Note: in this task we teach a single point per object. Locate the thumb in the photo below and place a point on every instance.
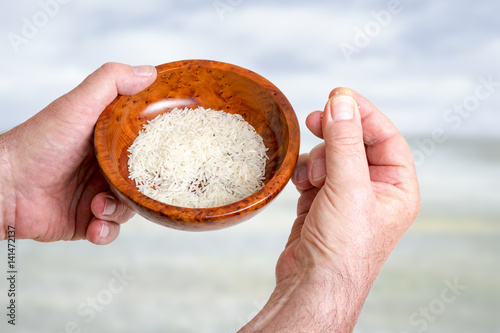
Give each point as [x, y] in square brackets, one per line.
[84, 104]
[346, 162]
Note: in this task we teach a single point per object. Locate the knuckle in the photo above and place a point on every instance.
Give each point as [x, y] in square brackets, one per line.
[347, 140]
[109, 67]
[349, 147]
[123, 213]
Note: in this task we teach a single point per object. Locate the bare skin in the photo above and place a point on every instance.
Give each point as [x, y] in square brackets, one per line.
[51, 187]
[359, 194]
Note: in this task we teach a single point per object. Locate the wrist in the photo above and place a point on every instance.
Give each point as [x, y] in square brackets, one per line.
[312, 304]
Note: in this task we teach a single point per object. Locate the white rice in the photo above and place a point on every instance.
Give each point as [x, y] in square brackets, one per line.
[197, 158]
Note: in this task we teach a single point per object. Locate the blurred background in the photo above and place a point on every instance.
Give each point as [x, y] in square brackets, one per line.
[432, 67]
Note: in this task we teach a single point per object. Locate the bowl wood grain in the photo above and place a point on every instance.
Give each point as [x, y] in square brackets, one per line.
[210, 84]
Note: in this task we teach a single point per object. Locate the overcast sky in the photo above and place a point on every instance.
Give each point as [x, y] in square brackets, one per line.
[415, 59]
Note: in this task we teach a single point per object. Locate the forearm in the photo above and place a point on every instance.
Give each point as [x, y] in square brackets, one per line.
[5, 173]
[302, 306]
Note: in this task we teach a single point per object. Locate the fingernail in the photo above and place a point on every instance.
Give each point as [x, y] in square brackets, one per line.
[145, 70]
[109, 206]
[342, 107]
[104, 230]
[318, 171]
[301, 174]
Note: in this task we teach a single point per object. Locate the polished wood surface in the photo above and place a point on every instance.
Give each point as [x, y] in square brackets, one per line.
[210, 84]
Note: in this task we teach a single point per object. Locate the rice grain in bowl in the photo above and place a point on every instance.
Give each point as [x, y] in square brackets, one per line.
[211, 85]
[198, 158]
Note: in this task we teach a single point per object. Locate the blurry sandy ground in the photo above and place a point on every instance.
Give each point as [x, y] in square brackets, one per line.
[216, 281]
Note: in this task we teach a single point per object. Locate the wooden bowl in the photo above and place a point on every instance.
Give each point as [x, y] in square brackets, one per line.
[210, 84]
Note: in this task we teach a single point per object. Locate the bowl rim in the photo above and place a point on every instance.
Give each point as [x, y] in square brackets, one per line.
[202, 215]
